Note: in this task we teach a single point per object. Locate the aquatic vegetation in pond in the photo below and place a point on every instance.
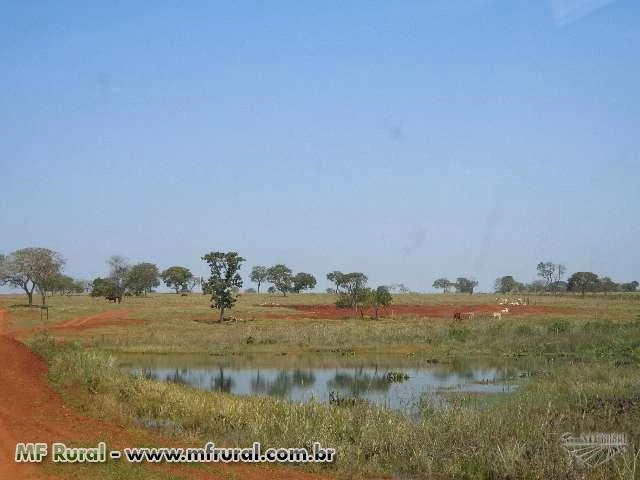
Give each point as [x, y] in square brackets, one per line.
[396, 377]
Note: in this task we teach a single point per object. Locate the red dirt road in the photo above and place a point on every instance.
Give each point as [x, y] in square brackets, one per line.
[30, 411]
[104, 319]
[14, 382]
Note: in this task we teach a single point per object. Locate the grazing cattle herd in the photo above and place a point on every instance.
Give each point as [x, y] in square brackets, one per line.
[476, 315]
[498, 315]
[513, 302]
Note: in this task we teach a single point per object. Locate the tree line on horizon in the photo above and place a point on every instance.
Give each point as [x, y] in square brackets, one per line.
[41, 269]
[551, 281]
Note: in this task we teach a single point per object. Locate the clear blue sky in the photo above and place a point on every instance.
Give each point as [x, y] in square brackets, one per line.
[408, 140]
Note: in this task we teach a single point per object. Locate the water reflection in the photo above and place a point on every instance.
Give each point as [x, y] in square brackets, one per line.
[359, 382]
[221, 383]
[178, 377]
[425, 384]
[283, 383]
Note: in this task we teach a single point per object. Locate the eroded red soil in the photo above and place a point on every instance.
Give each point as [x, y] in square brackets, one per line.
[428, 311]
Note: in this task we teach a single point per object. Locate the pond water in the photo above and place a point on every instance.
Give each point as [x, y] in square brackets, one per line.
[393, 383]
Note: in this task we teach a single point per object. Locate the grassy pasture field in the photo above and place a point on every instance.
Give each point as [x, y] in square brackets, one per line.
[589, 349]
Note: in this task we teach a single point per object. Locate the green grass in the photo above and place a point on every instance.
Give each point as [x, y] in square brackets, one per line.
[61, 308]
[605, 327]
[532, 336]
[463, 440]
[109, 470]
[590, 383]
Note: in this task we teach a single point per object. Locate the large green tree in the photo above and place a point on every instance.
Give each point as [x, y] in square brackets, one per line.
[303, 281]
[142, 278]
[178, 278]
[225, 277]
[259, 275]
[281, 277]
[31, 268]
[584, 282]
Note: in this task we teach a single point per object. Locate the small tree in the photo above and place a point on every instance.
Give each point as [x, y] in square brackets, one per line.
[118, 269]
[303, 281]
[81, 286]
[630, 287]
[193, 282]
[259, 275]
[537, 287]
[60, 284]
[336, 278]
[281, 277]
[607, 285]
[178, 278]
[380, 297]
[561, 286]
[583, 282]
[546, 270]
[442, 283]
[355, 291]
[104, 287]
[465, 285]
[225, 277]
[142, 278]
[507, 284]
[561, 269]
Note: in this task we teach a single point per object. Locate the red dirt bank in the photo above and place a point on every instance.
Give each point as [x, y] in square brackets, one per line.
[429, 311]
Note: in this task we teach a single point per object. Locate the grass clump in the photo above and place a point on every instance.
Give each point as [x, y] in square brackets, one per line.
[460, 334]
[559, 326]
